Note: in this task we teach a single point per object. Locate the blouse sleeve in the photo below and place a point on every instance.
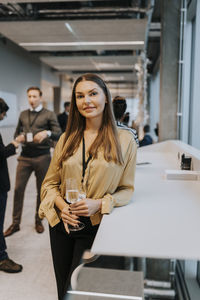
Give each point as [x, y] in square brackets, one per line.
[50, 189]
[124, 191]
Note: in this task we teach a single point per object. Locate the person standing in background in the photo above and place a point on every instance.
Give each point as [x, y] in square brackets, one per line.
[63, 117]
[147, 139]
[6, 264]
[119, 108]
[39, 127]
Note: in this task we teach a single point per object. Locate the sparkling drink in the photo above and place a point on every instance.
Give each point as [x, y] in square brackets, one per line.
[72, 196]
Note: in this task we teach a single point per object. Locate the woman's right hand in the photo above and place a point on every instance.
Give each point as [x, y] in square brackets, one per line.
[68, 218]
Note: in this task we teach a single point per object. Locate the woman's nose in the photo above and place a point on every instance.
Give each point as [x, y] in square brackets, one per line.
[87, 99]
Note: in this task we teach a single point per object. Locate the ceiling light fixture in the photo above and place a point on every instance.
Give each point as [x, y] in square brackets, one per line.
[68, 44]
[69, 27]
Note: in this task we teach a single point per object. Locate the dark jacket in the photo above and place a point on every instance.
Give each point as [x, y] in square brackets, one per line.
[62, 119]
[147, 140]
[5, 152]
[30, 121]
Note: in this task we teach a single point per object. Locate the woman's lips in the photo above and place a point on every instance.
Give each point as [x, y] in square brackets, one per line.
[89, 108]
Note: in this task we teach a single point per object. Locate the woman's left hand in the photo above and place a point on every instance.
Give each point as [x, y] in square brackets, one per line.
[85, 207]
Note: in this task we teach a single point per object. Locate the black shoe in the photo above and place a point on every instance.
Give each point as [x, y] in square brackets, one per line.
[39, 227]
[9, 266]
[12, 229]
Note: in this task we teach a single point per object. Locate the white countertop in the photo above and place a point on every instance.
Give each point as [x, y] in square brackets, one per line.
[163, 218]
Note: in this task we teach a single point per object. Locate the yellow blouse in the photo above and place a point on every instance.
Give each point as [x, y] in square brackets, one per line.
[108, 180]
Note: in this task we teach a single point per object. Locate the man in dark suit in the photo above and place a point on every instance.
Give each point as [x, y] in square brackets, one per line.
[147, 140]
[63, 117]
[6, 264]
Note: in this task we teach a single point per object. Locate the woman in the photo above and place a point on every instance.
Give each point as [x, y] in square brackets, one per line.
[102, 159]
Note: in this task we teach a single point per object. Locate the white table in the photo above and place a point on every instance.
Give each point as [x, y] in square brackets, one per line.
[163, 218]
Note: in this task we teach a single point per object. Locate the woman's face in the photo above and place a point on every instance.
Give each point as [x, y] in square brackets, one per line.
[90, 99]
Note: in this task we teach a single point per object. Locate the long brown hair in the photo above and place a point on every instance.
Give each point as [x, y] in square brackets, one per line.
[107, 137]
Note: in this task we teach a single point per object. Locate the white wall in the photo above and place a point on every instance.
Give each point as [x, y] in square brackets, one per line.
[186, 81]
[190, 103]
[194, 138]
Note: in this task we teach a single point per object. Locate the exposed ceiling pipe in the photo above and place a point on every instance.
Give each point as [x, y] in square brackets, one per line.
[14, 9]
[3, 12]
[94, 10]
[18, 9]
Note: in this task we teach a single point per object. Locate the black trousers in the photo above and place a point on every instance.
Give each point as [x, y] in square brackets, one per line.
[67, 250]
[3, 200]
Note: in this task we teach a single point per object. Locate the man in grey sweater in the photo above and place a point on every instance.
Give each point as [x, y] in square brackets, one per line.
[39, 127]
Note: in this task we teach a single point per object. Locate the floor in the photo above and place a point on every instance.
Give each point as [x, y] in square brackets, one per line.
[32, 250]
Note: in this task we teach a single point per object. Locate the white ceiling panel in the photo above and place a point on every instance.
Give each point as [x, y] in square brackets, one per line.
[91, 62]
[120, 77]
[82, 31]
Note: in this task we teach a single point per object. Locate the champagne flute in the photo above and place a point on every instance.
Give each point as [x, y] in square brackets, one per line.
[72, 196]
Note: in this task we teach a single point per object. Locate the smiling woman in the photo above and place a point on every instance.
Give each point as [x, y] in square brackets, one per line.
[90, 100]
[102, 159]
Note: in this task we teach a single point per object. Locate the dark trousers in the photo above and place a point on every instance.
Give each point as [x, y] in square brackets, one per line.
[25, 167]
[3, 201]
[67, 250]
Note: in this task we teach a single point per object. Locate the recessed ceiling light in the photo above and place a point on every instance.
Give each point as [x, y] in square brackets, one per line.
[69, 27]
[67, 44]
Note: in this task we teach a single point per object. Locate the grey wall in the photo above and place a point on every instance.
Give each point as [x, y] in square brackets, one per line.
[49, 80]
[169, 57]
[18, 71]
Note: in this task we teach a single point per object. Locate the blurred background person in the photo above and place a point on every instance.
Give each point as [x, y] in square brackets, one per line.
[156, 129]
[39, 126]
[63, 117]
[147, 139]
[126, 118]
[119, 108]
[6, 264]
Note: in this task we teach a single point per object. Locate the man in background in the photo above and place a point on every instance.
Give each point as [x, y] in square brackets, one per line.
[147, 139]
[63, 117]
[39, 126]
[6, 264]
[119, 108]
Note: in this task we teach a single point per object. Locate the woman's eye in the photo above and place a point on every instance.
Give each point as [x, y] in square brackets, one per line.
[79, 96]
[93, 94]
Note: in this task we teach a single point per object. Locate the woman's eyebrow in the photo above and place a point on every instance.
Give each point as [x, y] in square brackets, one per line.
[88, 91]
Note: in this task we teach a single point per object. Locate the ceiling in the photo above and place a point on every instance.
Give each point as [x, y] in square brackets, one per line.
[105, 37]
